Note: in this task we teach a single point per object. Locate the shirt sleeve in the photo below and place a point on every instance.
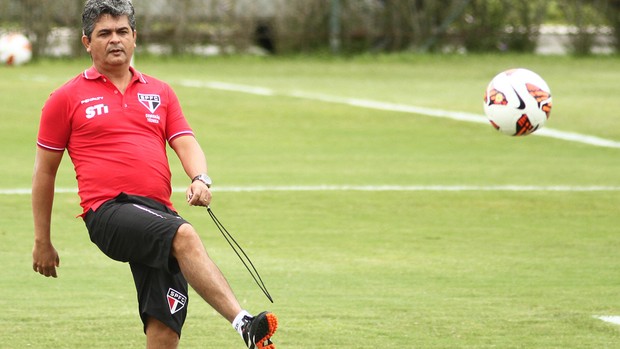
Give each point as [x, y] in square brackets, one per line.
[55, 125]
[176, 124]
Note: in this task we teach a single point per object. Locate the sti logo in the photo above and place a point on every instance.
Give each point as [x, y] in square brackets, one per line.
[151, 102]
[176, 300]
[96, 110]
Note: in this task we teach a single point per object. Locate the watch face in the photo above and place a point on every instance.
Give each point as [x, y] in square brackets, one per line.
[206, 179]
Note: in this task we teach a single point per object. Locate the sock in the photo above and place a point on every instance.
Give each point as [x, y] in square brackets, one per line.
[238, 321]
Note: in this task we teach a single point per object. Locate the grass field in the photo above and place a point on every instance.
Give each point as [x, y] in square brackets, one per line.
[417, 266]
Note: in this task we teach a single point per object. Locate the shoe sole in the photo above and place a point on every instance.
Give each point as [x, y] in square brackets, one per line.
[272, 326]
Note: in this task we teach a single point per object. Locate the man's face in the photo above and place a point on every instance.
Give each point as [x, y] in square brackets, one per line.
[112, 42]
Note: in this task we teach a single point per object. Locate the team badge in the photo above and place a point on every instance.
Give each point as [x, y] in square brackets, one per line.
[151, 102]
[176, 300]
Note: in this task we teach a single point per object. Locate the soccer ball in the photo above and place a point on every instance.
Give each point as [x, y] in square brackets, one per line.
[517, 102]
[15, 49]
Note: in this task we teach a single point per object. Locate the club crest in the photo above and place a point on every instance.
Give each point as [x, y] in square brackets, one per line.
[176, 300]
[151, 102]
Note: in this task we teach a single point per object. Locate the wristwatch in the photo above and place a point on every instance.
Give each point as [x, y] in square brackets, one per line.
[204, 179]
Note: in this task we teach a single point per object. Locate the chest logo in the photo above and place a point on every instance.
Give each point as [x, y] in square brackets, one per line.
[96, 110]
[151, 102]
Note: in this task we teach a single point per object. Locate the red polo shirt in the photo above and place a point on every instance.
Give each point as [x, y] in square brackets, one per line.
[117, 142]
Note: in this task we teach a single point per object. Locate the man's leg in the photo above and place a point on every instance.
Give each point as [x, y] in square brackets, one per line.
[207, 280]
[202, 274]
[160, 336]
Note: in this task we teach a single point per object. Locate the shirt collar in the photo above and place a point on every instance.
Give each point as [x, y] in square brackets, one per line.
[92, 74]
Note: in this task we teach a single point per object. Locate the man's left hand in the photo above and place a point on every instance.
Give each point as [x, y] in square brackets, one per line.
[198, 194]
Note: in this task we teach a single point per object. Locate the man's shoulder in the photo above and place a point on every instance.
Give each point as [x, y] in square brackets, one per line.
[148, 79]
[149, 84]
[73, 89]
[74, 83]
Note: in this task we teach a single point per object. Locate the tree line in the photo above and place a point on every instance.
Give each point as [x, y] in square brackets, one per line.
[337, 26]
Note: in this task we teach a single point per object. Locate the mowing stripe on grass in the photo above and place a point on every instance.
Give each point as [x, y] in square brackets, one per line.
[404, 108]
[377, 188]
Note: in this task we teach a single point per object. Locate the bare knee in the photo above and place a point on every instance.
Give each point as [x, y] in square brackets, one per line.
[160, 336]
[185, 240]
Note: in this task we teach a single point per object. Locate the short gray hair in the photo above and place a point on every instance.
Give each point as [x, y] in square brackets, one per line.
[93, 9]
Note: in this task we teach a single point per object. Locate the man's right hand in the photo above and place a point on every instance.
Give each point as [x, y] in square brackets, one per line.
[45, 259]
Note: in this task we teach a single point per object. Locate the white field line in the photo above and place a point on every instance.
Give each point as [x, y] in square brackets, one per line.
[379, 188]
[404, 108]
[611, 319]
[376, 188]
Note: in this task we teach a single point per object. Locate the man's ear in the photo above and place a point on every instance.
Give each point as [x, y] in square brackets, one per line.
[86, 43]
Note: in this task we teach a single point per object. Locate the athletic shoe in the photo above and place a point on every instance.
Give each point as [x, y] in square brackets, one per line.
[257, 331]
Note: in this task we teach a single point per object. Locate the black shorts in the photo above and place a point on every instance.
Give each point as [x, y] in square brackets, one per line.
[139, 230]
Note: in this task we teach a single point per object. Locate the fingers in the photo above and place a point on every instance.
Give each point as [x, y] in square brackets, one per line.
[45, 259]
[200, 199]
[46, 271]
[198, 194]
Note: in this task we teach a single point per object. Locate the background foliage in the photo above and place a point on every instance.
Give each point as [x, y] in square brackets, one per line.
[344, 26]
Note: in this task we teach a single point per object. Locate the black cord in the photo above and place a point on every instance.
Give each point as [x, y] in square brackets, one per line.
[228, 237]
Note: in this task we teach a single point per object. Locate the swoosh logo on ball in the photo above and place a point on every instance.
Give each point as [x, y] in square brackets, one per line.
[521, 102]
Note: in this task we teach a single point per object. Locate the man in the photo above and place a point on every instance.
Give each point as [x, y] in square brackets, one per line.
[115, 123]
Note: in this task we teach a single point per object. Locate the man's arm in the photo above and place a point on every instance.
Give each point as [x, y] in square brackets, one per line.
[194, 163]
[44, 256]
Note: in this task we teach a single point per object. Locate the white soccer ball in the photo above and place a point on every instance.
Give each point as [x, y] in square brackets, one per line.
[15, 49]
[517, 102]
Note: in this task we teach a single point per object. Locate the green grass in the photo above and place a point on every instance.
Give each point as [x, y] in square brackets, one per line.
[401, 269]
